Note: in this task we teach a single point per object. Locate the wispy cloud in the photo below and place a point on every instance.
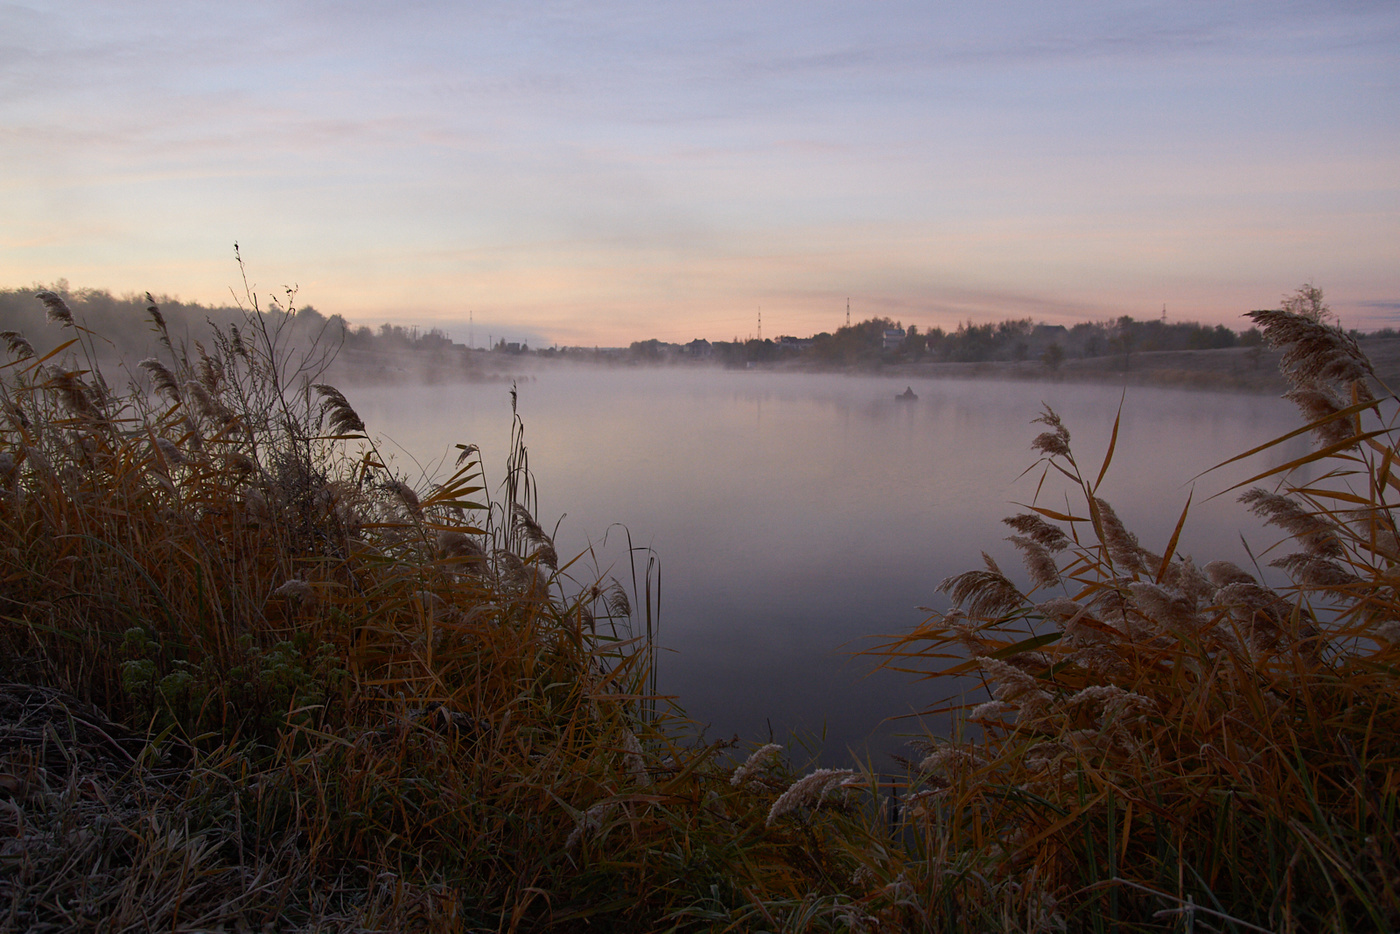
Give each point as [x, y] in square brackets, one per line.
[633, 165]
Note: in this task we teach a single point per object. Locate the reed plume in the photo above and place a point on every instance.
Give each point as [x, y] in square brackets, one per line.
[336, 409]
[18, 347]
[158, 319]
[808, 791]
[162, 379]
[1313, 352]
[757, 760]
[983, 593]
[56, 309]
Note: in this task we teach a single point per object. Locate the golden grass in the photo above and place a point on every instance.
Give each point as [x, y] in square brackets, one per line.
[1169, 745]
[324, 697]
[348, 702]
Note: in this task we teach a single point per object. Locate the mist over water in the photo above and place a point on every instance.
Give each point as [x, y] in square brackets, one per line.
[798, 515]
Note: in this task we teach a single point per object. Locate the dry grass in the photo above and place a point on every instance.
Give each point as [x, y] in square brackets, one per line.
[257, 680]
[1168, 745]
[348, 701]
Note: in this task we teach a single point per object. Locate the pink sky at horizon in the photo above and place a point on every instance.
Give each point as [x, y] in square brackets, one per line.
[614, 172]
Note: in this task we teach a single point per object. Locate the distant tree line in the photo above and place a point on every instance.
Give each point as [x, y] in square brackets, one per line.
[125, 324]
[875, 341]
[883, 340]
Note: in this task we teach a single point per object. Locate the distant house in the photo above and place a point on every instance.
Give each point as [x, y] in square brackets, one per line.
[893, 338]
[699, 349]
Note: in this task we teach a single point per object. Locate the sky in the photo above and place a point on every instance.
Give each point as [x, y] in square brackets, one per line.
[598, 173]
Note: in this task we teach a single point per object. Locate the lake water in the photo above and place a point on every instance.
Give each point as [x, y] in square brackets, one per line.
[798, 515]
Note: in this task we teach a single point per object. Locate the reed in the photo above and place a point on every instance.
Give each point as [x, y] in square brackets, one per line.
[253, 677]
[260, 679]
[1171, 746]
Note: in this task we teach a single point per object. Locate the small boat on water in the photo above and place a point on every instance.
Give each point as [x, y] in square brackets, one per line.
[907, 395]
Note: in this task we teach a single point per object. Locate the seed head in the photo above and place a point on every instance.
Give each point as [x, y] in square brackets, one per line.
[58, 311]
[808, 790]
[757, 760]
[19, 348]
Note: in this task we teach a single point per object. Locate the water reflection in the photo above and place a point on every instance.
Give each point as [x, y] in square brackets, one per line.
[797, 515]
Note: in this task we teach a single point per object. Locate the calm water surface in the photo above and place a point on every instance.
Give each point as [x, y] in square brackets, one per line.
[798, 515]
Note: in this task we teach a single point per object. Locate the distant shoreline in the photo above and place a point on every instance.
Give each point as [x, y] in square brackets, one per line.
[1233, 369]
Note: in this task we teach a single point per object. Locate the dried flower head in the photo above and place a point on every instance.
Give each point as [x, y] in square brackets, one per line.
[14, 414]
[1055, 442]
[207, 404]
[58, 311]
[405, 494]
[1388, 630]
[336, 411]
[983, 593]
[1222, 573]
[1311, 571]
[991, 710]
[454, 544]
[158, 320]
[758, 759]
[211, 369]
[162, 379]
[615, 599]
[1320, 406]
[1169, 609]
[1040, 564]
[467, 450]
[590, 822]
[19, 348]
[633, 759]
[951, 759]
[295, 589]
[1050, 537]
[169, 452]
[1013, 682]
[239, 464]
[809, 791]
[534, 534]
[1318, 535]
[1122, 545]
[76, 394]
[1183, 575]
[1313, 352]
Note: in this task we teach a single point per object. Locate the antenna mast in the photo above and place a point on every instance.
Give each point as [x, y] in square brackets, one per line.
[760, 322]
[471, 339]
[848, 312]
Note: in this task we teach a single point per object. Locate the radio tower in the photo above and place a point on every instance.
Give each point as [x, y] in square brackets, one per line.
[760, 322]
[848, 312]
[471, 341]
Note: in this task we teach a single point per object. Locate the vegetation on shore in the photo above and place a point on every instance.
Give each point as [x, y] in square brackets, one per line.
[255, 678]
[1181, 745]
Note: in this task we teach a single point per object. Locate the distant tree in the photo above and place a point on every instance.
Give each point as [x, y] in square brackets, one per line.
[914, 343]
[1307, 301]
[1053, 356]
[1125, 339]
